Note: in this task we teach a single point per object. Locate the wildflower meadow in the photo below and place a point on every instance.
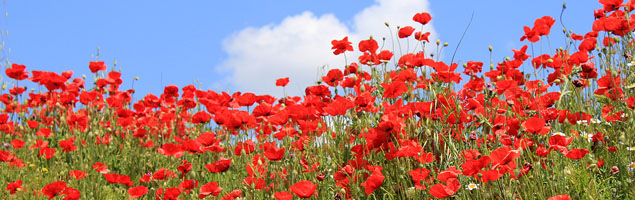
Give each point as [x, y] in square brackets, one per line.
[385, 125]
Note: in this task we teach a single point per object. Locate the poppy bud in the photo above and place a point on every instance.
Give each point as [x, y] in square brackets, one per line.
[445, 44]
[136, 78]
[386, 23]
[490, 48]
[438, 42]
[617, 39]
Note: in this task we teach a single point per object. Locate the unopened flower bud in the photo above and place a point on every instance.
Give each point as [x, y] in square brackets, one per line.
[438, 42]
[490, 48]
[445, 44]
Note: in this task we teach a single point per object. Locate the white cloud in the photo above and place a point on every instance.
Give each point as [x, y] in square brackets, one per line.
[300, 45]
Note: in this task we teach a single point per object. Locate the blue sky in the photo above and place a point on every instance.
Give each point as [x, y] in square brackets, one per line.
[245, 45]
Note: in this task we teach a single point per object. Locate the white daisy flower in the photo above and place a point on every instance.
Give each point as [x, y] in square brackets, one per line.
[580, 122]
[630, 64]
[595, 121]
[631, 166]
[630, 148]
[558, 133]
[588, 136]
[471, 186]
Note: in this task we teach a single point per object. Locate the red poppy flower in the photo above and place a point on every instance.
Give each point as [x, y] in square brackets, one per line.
[577, 153]
[282, 82]
[45, 132]
[560, 197]
[201, 117]
[184, 167]
[520, 54]
[71, 194]
[341, 46]
[394, 89]
[137, 192]
[473, 67]
[304, 189]
[274, 153]
[369, 45]
[171, 149]
[17, 90]
[17, 72]
[503, 156]
[559, 142]
[53, 189]
[12, 187]
[247, 146]
[442, 191]
[406, 31]
[210, 188]
[422, 18]
[171, 193]
[163, 173]
[97, 66]
[47, 152]
[101, 168]
[384, 55]
[542, 26]
[219, 166]
[17, 143]
[471, 167]
[333, 77]
[284, 195]
[419, 175]
[373, 182]
[610, 5]
[534, 124]
[450, 173]
[77, 174]
[68, 145]
[116, 178]
[489, 175]
[187, 185]
[422, 36]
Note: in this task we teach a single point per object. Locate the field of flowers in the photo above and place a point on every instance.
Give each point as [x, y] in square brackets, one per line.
[387, 126]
